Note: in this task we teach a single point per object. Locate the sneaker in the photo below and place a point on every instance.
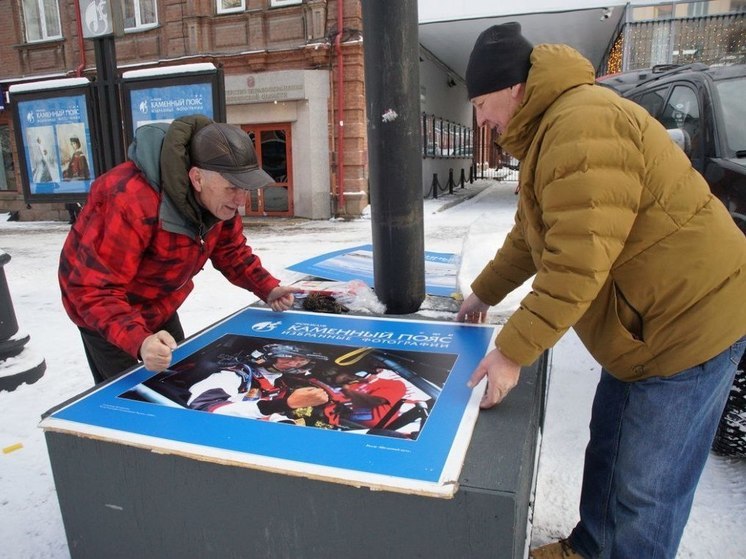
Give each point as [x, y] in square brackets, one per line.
[557, 550]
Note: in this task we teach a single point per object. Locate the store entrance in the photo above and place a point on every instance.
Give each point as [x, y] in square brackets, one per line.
[273, 149]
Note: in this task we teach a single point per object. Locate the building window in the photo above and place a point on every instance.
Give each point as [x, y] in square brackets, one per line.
[230, 6]
[697, 9]
[664, 12]
[140, 14]
[7, 171]
[41, 19]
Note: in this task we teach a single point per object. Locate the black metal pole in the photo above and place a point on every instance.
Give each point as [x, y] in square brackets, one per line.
[8, 322]
[107, 96]
[392, 91]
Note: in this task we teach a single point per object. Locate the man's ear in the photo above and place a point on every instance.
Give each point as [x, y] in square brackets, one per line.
[196, 177]
[517, 90]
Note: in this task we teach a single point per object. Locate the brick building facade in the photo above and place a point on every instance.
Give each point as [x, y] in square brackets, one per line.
[257, 43]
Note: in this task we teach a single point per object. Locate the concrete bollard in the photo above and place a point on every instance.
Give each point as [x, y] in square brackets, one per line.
[8, 322]
[18, 365]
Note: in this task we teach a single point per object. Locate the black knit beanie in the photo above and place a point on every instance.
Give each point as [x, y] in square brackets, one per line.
[501, 58]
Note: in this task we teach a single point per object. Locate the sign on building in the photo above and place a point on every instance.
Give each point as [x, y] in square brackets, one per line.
[100, 18]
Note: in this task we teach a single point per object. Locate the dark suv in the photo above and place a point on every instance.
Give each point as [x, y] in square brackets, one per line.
[704, 109]
[706, 103]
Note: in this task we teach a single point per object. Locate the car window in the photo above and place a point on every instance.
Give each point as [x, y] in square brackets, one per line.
[734, 112]
[682, 110]
[651, 100]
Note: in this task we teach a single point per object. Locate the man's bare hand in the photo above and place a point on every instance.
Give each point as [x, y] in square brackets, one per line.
[472, 310]
[502, 376]
[156, 351]
[281, 298]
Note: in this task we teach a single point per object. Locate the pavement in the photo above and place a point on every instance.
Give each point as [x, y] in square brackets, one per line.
[460, 194]
[443, 202]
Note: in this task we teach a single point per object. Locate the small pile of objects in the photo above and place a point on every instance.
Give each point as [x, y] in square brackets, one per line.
[338, 297]
[317, 301]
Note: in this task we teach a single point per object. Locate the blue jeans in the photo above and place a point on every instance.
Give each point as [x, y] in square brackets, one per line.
[649, 443]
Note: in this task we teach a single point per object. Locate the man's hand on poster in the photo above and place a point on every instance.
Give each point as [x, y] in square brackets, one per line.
[502, 376]
[156, 351]
[472, 310]
[308, 396]
[281, 298]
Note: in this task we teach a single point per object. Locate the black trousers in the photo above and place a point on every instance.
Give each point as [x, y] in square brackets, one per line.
[106, 360]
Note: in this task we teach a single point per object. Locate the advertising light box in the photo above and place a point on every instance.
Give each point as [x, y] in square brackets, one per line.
[54, 135]
[164, 94]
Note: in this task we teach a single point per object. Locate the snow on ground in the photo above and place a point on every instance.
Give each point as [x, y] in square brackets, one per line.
[30, 521]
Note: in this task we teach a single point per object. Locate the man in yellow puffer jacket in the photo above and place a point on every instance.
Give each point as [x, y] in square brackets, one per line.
[629, 247]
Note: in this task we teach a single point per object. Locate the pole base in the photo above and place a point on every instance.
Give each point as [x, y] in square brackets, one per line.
[26, 367]
[13, 345]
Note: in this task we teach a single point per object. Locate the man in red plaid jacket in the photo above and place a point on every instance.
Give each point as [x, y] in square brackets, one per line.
[149, 226]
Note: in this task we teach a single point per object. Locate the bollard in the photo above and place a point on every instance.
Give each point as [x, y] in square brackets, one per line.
[8, 322]
[16, 365]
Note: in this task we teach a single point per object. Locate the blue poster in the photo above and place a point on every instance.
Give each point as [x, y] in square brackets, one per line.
[362, 400]
[57, 139]
[164, 104]
[441, 268]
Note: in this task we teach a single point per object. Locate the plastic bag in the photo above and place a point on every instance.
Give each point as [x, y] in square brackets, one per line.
[355, 295]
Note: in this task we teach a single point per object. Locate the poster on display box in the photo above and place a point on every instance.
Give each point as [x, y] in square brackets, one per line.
[367, 401]
[441, 268]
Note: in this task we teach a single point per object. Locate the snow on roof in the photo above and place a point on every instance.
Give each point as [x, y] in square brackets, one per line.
[48, 84]
[169, 70]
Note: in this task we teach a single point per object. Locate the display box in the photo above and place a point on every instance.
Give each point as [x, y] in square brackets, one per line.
[366, 401]
[138, 474]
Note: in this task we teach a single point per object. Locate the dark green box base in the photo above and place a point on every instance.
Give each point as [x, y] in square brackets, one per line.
[122, 501]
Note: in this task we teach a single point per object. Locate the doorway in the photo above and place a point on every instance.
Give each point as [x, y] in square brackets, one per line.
[273, 147]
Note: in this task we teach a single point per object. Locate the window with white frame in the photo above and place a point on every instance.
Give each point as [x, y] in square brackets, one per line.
[140, 14]
[41, 19]
[230, 6]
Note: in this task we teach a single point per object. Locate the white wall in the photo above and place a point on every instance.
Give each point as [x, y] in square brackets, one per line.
[311, 160]
[449, 102]
[309, 131]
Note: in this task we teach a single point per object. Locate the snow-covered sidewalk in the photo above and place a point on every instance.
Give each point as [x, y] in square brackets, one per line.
[30, 521]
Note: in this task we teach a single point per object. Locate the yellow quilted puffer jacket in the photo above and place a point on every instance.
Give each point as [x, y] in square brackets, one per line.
[628, 245]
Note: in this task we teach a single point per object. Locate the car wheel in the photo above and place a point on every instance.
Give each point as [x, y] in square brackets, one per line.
[730, 439]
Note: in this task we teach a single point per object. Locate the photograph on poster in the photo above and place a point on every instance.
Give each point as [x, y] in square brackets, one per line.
[441, 268]
[40, 142]
[362, 400]
[352, 389]
[73, 152]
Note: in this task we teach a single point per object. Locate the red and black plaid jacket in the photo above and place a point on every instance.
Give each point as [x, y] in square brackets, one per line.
[122, 275]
